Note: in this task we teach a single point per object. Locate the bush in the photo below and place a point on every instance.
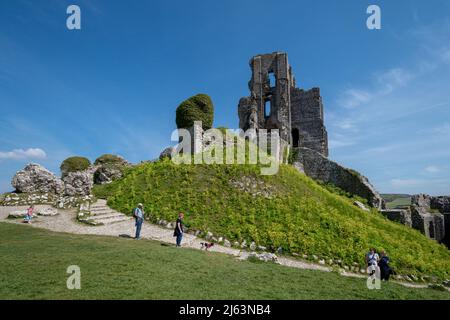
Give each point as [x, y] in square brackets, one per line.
[74, 164]
[196, 108]
[109, 159]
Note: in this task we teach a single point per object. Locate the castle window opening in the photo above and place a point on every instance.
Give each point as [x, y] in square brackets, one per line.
[267, 108]
[295, 137]
[272, 80]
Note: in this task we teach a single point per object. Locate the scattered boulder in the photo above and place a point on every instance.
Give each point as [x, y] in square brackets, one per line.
[253, 246]
[18, 214]
[265, 256]
[227, 243]
[34, 178]
[360, 205]
[47, 212]
[166, 153]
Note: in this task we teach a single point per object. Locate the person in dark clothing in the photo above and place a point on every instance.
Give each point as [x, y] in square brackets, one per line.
[178, 232]
[385, 269]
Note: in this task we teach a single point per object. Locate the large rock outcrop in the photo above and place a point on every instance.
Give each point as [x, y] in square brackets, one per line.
[107, 173]
[34, 178]
[78, 183]
[319, 167]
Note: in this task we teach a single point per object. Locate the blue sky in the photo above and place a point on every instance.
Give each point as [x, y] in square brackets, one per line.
[114, 85]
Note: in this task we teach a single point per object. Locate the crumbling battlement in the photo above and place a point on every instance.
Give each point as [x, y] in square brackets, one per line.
[276, 103]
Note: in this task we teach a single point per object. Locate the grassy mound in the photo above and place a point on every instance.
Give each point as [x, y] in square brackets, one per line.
[196, 108]
[287, 210]
[118, 268]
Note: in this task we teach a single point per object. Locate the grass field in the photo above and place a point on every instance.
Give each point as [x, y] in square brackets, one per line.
[394, 201]
[33, 266]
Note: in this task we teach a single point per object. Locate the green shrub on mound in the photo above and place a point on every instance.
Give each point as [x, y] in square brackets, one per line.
[196, 108]
[287, 210]
[74, 164]
[109, 159]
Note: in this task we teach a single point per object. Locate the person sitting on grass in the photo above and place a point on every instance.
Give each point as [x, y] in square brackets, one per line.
[385, 269]
[178, 232]
[138, 214]
[29, 216]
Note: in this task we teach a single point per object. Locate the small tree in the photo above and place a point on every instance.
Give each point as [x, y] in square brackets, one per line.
[196, 108]
[110, 159]
[74, 164]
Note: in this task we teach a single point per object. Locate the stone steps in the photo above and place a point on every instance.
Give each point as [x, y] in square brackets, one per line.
[104, 215]
[107, 216]
[98, 212]
[112, 220]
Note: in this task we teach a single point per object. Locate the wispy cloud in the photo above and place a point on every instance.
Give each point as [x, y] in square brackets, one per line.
[432, 169]
[20, 154]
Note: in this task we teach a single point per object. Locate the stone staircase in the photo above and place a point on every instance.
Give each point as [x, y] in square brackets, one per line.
[101, 214]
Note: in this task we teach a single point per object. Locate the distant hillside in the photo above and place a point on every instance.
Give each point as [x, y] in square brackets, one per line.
[287, 210]
[394, 201]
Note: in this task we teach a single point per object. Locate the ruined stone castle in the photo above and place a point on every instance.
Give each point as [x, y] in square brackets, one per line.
[276, 103]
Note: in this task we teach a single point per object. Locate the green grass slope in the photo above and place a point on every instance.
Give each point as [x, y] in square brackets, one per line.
[34, 264]
[301, 216]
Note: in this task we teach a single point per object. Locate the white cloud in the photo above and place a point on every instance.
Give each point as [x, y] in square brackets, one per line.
[432, 169]
[17, 154]
[353, 98]
[400, 183]
[392, 79]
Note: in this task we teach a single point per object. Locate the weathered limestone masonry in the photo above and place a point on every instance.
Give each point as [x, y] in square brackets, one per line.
[429, 223]
[319, 167]
[276, 103]
[429, 215]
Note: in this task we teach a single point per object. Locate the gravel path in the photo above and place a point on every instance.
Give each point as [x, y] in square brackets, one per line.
[65, 221]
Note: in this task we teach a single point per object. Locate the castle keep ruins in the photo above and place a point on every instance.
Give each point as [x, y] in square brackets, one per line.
[276, 103]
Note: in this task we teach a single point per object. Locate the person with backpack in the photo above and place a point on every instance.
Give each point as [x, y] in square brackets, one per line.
[372, 258]
[138, 214]
[385, 269]
[178, 232]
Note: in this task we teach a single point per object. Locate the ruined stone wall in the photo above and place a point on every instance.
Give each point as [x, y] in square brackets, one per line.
[307, 118]
[319, 167]
[431, 224]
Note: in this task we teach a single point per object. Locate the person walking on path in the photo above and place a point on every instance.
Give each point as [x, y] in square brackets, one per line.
[178, 232]
[29, 216]
[138, 214]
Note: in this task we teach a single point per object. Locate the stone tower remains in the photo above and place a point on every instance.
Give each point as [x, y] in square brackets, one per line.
[276, 103]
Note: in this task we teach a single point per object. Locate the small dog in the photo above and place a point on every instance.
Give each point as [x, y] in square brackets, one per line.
[206, 245]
